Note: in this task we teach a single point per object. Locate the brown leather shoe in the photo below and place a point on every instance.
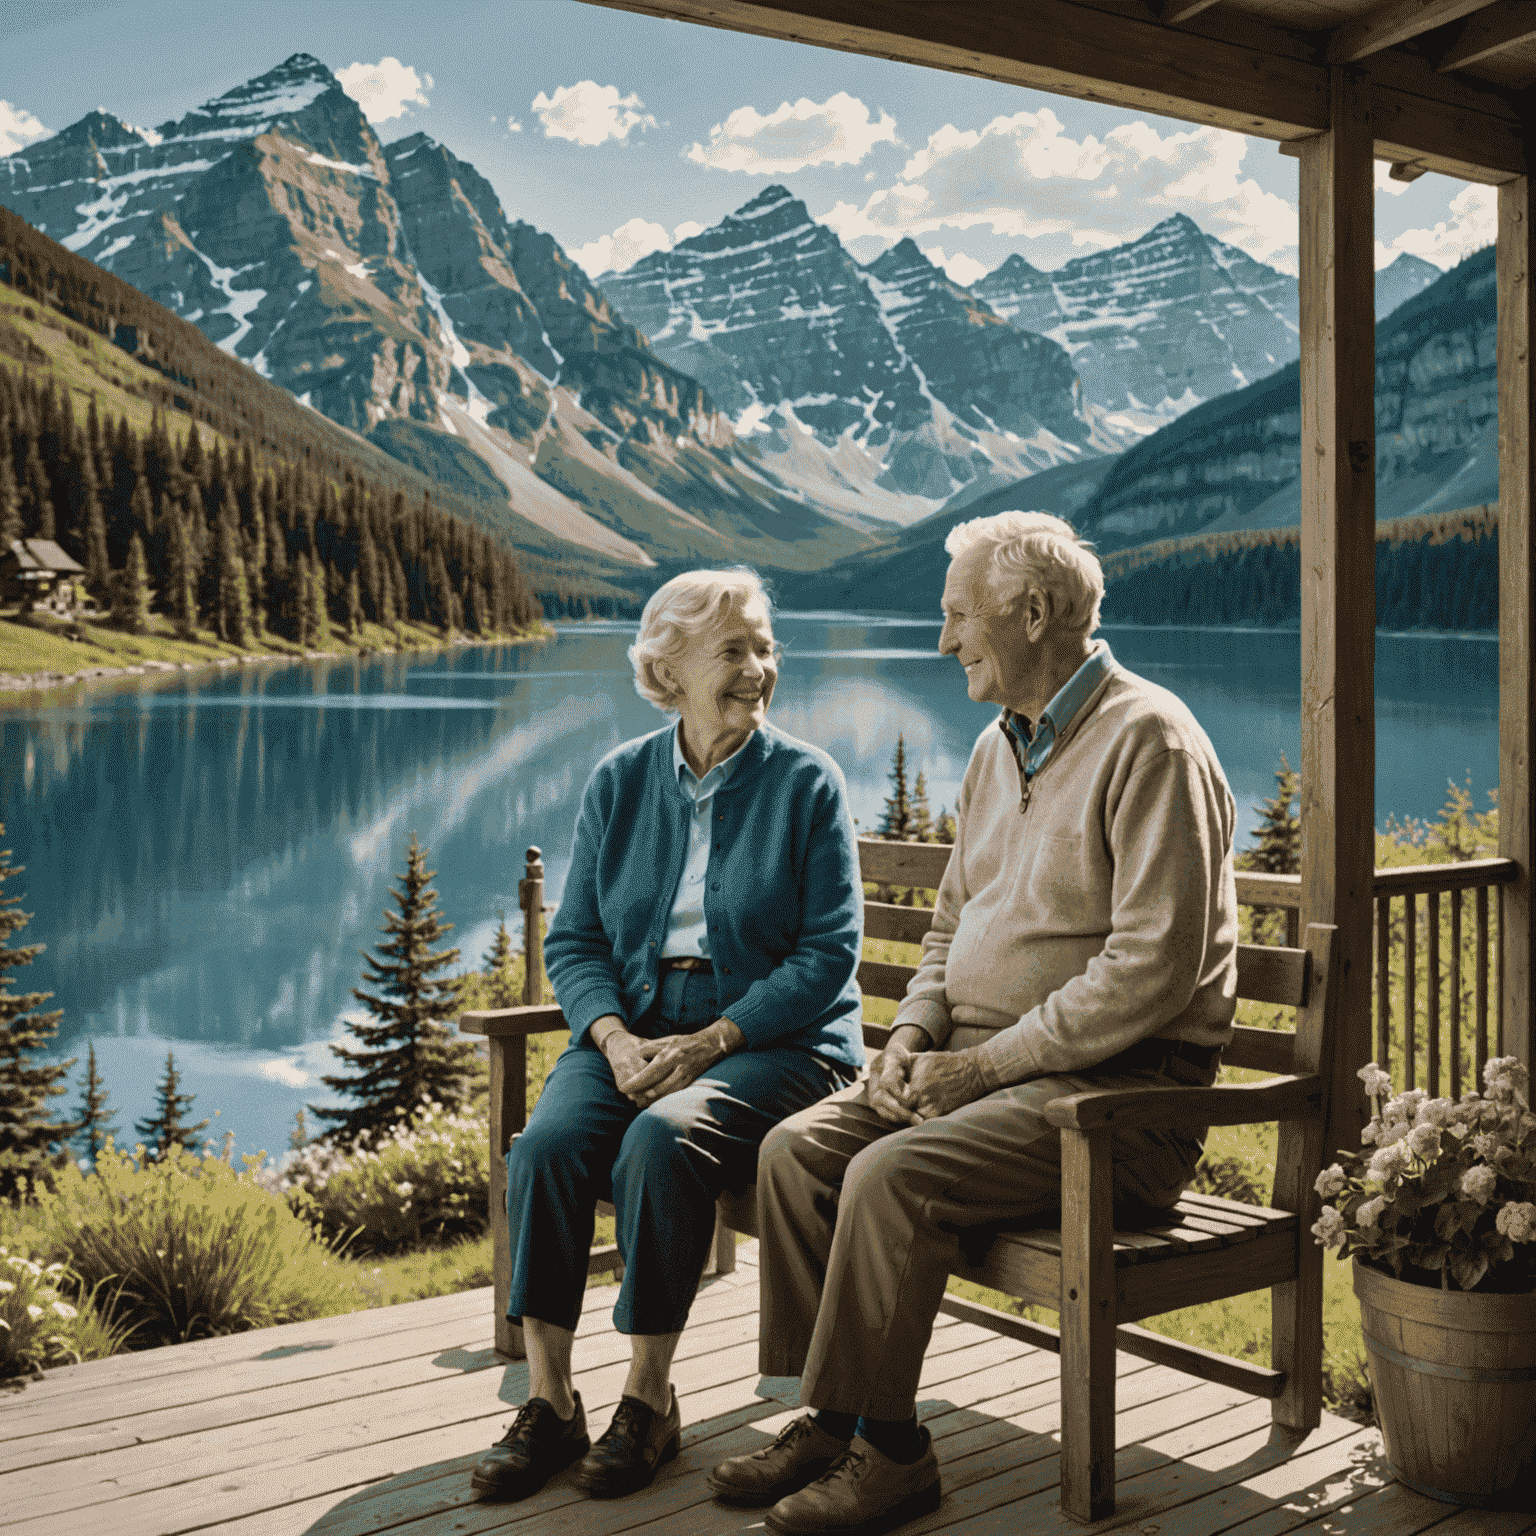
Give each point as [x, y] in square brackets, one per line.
[538, 1445]
[627, 1454]
[863, 1493]
[800, 1454]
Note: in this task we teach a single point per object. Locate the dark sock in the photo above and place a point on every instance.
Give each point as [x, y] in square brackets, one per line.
[839, 1425]
[900, 1439]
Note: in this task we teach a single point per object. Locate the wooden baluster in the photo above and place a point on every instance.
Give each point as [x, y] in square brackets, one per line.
[1410, 991]
[1432, 1000]
[1481, 1002]
[1455, 1046]
[1498, 1028]
[1384, 983]
[530, 896]
[1293, 927]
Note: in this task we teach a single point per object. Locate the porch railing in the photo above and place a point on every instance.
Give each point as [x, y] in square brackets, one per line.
[1437, 965]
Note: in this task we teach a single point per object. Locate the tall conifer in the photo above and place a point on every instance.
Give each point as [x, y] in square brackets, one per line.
[407, 1054]
[897, 821]
[96, 1119]
[130, 606]
[10, 503]
[354, 608]
[32, 1142]
[234, 610]
[98, 572]
[181, 576]
[167, 1127]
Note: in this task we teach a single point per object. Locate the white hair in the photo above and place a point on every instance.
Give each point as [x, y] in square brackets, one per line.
[1035, 549]
[687, 606]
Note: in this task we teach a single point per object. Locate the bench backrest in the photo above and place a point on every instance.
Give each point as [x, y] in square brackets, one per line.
[1265, 974]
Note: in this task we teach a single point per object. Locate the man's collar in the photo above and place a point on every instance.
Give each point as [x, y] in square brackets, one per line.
[1065, 702]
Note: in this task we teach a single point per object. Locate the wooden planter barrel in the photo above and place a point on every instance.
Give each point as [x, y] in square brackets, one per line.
[1454, 1378]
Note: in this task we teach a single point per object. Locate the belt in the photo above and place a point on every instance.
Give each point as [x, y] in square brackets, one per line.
[686, 963]
[1154, 1050]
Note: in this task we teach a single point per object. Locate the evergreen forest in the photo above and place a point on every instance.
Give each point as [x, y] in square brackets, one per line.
[211, 535]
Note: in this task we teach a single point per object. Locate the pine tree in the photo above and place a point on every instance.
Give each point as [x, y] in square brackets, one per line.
[234, 608]
[298, 1137]
[498, 968]
[1278, 849]
[897, 821]
[166, 1128]
[181, 569]
[354, 608]
[319, 609]
[32, 1143]
[97, 1120]
[407, 1054]
[98, 573]
[10, 503]
[922, 817]
[944, 827]
[130, 606]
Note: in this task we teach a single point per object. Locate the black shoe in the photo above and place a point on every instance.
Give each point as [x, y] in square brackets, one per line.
[538, 1445]
[627, 1454]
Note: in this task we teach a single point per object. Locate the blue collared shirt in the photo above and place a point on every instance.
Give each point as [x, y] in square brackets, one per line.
[1032, 752]
[687, 932]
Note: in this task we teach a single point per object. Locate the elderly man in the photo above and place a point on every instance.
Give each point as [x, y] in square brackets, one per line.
[1085, 935]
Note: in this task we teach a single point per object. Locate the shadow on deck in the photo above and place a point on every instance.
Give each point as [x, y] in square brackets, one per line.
[370, 1423]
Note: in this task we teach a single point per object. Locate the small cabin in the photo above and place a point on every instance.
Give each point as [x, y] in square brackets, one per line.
[36, 573]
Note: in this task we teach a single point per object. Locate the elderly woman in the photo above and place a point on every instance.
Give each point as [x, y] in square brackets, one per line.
[704, 954]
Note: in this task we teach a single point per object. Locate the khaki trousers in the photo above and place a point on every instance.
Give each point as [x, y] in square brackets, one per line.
[860, 1222]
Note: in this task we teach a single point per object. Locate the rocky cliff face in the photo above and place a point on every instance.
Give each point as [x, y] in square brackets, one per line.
[863, 380]
[1157, 325]
[388, 290]
[1235, 463]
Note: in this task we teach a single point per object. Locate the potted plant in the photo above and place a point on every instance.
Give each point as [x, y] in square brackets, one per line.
[1437, 1213]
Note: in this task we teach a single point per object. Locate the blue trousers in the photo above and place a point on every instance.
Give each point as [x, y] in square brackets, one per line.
[662, 1166]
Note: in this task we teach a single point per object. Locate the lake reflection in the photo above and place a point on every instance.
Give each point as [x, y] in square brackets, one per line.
[206, 857]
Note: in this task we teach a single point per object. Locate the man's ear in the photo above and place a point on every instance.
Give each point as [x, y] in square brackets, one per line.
[1037, 613]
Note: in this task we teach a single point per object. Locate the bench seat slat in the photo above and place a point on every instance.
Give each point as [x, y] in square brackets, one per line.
[1279, 1220]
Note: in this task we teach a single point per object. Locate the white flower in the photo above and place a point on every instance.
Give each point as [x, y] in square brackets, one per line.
[405, 1189]
[34, 1311]
[1486, 1143]
[1424, 1141]
[1478, 1183]
[1328, 1229]
[1367, 1214]
[1393, 1131]
[63, 1309]
[1389, 1162]
[1434, 1112]
[1517, 1221]
[6, 1287]
[1377, 1083]
[1330, 1181]
[1369, 1132]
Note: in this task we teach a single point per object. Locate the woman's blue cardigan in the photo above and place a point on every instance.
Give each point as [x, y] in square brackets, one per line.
[782, 899]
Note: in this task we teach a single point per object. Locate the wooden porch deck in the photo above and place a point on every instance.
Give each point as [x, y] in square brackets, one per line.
[370, 1423]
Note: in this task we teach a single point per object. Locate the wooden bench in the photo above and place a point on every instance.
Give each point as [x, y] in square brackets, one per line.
[1098, 1278]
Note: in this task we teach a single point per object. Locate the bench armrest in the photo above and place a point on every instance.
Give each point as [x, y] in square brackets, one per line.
[504, 1023]
[1277, 1098]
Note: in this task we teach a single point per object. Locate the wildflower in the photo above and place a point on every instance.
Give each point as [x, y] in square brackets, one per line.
[1517, 1221]
[405, 1189]
[1377, 1083]
[1424, 1141]
[1486, 1144]
[1435, 1112]
[1478, 1183]
[1330, 1181]
[1368, 1214]
[1328, 1229]
[6, 1287]
[1392, 1132]
[63, 1309]
[1389, 1162]
[34, 1311]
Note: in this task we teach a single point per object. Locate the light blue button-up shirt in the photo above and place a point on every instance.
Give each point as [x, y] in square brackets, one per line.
[1032, 752]
[687, 933]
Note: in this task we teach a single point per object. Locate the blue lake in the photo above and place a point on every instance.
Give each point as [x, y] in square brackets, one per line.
[207, 855]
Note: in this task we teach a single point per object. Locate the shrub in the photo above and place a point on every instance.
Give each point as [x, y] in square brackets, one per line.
[38, 1327]
[188, 1247]
[426, 1182]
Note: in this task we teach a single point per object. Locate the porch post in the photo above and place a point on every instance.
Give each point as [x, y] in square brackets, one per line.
[1338, 567]
[1517, 315]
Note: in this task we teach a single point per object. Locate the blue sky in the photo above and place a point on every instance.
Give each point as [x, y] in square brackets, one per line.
[615, 132]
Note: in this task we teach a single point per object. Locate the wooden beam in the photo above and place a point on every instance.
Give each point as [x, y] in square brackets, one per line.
[1516, 256]
[1505, 24]
[1406, 170]
[1175, 11]
[1338, 565]
[1394, 23]
[1100, 52]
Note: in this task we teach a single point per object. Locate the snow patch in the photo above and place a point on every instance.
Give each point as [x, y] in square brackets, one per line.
[478, 407]
[242, 302]
[341, 165]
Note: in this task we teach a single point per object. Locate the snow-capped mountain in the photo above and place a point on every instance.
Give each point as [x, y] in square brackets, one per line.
[856, 380]
[1159, 324]
[388, 290]
[1398, 283]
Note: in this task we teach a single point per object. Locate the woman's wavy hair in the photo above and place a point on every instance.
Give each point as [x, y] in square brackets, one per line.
[1035, 549]
[683, 608]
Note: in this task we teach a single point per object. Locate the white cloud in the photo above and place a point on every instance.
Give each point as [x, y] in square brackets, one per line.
[589, 113]
[1384, 182]
[686, 231]
[386, 89]
[837, 131]
[1024, 177]
[958, 268]
[622, 249]
[1472, 225]
[17, 127]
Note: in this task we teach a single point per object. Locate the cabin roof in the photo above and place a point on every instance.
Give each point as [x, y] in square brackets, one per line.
[44, 557]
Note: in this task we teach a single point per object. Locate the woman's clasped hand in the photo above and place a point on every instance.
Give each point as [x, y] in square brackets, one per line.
[647, 1070]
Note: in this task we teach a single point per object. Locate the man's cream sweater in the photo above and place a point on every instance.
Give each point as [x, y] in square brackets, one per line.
[1104, 912]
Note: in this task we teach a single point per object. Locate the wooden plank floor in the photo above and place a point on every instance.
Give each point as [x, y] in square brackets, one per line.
[370, 1423]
